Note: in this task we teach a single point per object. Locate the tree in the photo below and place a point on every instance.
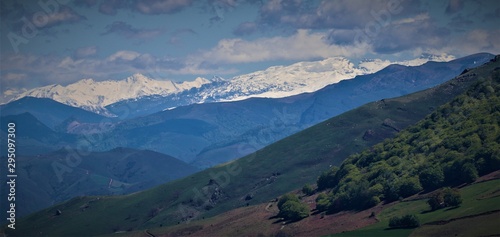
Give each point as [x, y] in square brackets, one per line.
[436, 201]
[287, 197]
[322, 202]
[452, 197]
[469, 172]
[431, 178]
[293, 210]
[406, 221]
[409, 186]
[488, 159]
[327, 179]
[445, 198]
[391, 192]
[308, 190]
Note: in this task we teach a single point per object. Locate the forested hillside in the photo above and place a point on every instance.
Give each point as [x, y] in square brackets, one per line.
[454, 145]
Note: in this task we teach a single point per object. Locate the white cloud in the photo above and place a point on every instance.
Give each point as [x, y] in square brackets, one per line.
[303, 45]
[125, 55]
[84, 52]
[418, 18]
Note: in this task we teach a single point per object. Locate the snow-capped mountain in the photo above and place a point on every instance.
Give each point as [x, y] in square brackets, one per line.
[273, 82]
[93, 96]
[283, 81]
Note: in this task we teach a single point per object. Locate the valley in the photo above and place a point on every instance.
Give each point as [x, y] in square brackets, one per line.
[220, 132]
[266, 174]
[267, 118]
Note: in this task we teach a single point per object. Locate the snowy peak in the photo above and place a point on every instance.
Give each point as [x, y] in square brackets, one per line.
[378, 64]
[197, 83]
[301, 77]
[273, 82]
[93, 95]
[217, 79]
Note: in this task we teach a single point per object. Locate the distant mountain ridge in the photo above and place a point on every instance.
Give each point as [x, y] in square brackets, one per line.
[118, 171]
[213, 133]
[50, 112]
[93, 96]
[227, 127]
[277, 169]
[138, 91]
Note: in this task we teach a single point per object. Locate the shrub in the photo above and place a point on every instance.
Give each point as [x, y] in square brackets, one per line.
[376, 190]
[293, 210]
[452, 197]
[287, 197]
[373, 201]
[445, 198]
[436, 202]
[406, 221]
[322, 202]
[308, 190]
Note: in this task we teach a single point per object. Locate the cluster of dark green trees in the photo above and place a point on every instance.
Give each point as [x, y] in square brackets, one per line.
[456, 144]
[406, 221]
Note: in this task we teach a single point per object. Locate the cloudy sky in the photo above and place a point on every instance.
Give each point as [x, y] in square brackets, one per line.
[60, 42]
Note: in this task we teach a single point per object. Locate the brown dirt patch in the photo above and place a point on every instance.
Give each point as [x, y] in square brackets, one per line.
[260, 220]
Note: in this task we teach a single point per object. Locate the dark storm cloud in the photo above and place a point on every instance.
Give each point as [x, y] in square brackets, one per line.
[326, 14]
[11, 11]
[411, 34]
[495, 14]
[15, 15]
[341, 37]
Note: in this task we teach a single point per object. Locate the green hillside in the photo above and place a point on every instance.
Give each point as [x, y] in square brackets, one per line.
[480, 208]
[279, 168]
[455, 144]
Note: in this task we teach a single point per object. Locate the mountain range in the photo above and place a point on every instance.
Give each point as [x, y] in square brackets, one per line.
[212, 133]
[112, 98]
[203, 135]
[289, 163]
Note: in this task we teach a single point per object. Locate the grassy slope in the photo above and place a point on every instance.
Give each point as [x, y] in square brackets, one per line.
[298, 159]
[259, 220]
[474, 202]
